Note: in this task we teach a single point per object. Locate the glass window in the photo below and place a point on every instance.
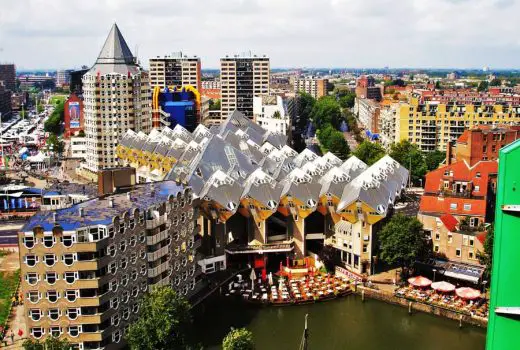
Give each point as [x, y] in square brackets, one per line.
[37, 332]
[114, 320]
[116, 336]
[133, 257]
[453, 206]
[54, 314]
[35, 314]
[51, 277]
[124, 280]
[67, 241]
[55, 331]
[114, 303]
[53, 296]
[124, 263]
[33, 296]
[126, 313]
[31, 260]
[143, 269]
[112, 285]
[73, 313]
[133, 275]
[132, 241]
[467, 206]
[48, 241]
[49, 259]
[112, 267]
[69, 259]
[70, 277]
[111, 250]
[32, 278]
[74, 331]
[71, 295]
[122, 245]
[457, 252]
[135, 291]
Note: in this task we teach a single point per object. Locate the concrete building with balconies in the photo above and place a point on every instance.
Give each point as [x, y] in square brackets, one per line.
[84, 268]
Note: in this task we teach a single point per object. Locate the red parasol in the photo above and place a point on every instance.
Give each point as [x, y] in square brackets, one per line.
[419, 281]
[443, 286]
[467, 293]
[20, 332]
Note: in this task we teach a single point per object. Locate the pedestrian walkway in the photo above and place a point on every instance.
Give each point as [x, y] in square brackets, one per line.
[16, 323]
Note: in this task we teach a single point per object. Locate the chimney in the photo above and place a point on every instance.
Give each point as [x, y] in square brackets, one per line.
[449, 152]
[80, 212]
[111, 202]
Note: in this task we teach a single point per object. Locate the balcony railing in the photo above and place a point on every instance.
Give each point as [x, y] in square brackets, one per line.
[158, 253]
[153, 223]
[161, 236]
[156, 271]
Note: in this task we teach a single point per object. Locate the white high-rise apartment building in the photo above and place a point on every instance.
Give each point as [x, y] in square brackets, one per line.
[243, 77]
[117, 97]
[270, 112]
[175, 70]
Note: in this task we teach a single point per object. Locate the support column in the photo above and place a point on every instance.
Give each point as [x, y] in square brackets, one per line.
[298, 228]
[260, 231]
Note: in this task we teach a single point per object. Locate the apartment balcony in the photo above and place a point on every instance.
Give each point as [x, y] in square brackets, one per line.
[164, 282]
[154, 239]
[91, 336]
[156, 271]
[87, 319]
[159, 253]
[90, 301]
[153, 223]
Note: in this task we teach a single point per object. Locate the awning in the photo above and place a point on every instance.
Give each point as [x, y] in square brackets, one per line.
[14, 194]
[461, 276]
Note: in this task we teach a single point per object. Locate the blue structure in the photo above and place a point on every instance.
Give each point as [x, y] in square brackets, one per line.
[181, 106]
[371, 136]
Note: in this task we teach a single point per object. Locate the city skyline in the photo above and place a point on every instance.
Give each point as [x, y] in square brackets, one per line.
[419, 34]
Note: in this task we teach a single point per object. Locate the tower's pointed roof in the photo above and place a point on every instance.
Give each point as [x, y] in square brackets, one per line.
[115, 49]
[115, 56]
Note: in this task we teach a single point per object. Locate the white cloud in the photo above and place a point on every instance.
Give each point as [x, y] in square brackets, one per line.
[318, 33]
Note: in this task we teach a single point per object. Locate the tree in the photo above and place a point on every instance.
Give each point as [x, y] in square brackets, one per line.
[411, 157]
[238, 339]
[433, 159]
[438, 85]
[214, 105]
[326, 111]
[347, 101]
[40, 109]
[164, 322]
[324, 135]
[51, 343]
[495, 82]
[369, 152]
[81, 133]
[277, 115]
[486, 257]
[53, 123]
[403, 242]
[54, 143]
[483, 86]
[338, 145]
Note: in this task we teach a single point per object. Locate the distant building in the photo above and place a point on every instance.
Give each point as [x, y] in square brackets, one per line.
[368, 112]
[8, 76]
[73, 115]
[78, 147]
[76, 85]
[366, 88]
[453, 76]
[117, 96]
[312, 86]
[33, 80]
[5, 102]
[63, 77]
[433, 125]
[175, 70]
[19, 100]
[211, 89]
[243, 77]
[176, 106]
[481, 143]
[270, 113]
[64, 195]
[388, 124]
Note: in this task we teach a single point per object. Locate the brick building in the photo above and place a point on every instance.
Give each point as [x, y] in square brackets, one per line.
[73, 115]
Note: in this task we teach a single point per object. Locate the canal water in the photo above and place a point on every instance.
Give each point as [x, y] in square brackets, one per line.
[346, 323]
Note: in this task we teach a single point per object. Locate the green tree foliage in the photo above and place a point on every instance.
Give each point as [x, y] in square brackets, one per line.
[238, 339]
[164, 322]
[483, 86]
[403, 241]
[433, 159]
[50, 343]
[369, 152]
[338, 145]
[486, 257]
[40, 109]
[81, 133]
[326, 111]
[411, 157]
[438, 85]
[495, 82]
[53, 123]
[58, 146]
[214, 105]
[305, 103]
[347, 101]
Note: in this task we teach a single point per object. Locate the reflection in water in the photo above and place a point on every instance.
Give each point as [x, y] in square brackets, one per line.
[346, 323]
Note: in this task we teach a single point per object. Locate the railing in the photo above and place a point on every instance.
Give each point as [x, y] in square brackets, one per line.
[164, 282]
[158, 237]
[153, 272]
[155, 222]
[158, 253]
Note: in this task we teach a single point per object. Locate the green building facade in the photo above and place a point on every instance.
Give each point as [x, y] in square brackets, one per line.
[504, 318]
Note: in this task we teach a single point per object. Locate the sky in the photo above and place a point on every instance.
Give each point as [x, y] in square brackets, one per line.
[58, 34]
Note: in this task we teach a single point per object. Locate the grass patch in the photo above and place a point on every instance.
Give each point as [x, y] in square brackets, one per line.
[57, 98]
[2, 253]
[8, 284]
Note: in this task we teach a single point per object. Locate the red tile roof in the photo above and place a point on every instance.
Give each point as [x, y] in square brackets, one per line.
[450, 222]
[464, 137]
[462, 172]
[452, 205]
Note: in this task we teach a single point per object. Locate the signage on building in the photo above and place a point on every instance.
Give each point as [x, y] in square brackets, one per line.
[341, 271]
[74, 113]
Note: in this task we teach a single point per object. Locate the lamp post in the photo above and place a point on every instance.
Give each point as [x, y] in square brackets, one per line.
[434, 271]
